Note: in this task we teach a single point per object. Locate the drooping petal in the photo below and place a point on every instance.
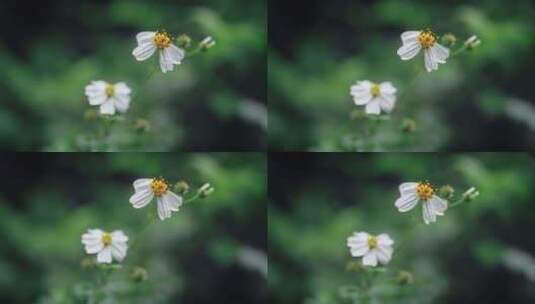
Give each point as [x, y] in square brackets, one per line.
[387, 102]
[410, 36]
[407, 188]
[174, 54]
[441, 53]
[108, 107]
[104, 256]
[165, 64]
[370, 259]
[406, 202]
[118, 250]
[439, 205]
[409, 50]
[144, 37]
[428, 213]
[142, 184]
[430, 63]
[384, 239]
[141, 198]
[373, 107]
[122, 102]
[163, 209]
[172, 200]
[144, 51]
[384, 254]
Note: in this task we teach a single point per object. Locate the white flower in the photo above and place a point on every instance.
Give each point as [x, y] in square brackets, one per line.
[106, 245]
[376, 97]
[147, 188]
[149, 42]
[109, 97]
[412, 193]
[373, 249]
[434, 53]
[472, 42]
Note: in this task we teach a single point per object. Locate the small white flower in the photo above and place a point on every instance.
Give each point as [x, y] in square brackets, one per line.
[412, 193]
[414, 41]
[376, 97]
[106, 245]
[472, 42]
[109, 97]
[147, 188]
[372, 248]
[149, 42]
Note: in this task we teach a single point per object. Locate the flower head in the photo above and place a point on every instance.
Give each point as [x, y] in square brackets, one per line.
[106, 246]
[149, 42]
[414, 41]
[412, 193]
[375, 97]
[372, 248]
[147, 188]
[110, 97]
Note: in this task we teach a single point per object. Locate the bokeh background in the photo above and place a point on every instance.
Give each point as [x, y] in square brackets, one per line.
[482, 251]
[50, 50]
[213, 248]
[481, 100]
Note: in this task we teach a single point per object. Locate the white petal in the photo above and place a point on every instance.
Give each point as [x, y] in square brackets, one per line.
[122, 88]
[105, 255]
[165, 64]
[94, 248]
[430, 63]
[122, 102]
[387, 88]
[428, 213]
[370, 259]
[119, 236]
[108, 107]
[358, 244]
[409, 50]
[440, 52]
[144, 37]
[362, 99]
[174, 54]
[172, 200]
[387, 102]
[92, 236]
[384, 254]
[97, 100]
[96, 87]
[144, 51]
[359, 251]
[163, 209]
[118, 250]
[407, 188]
[140, 199]
[384, 239]
[373, 107]
[142, 184]
[439, 205]
[406, 202]
[410, 36]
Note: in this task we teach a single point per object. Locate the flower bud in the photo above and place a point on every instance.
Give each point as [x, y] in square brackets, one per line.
[447, 191]
[183, 41]
[472, 42]
[181, 187]
[404, 277]
[408, 125]
[139, 274]
[142, 125]
[470, 194]
[448, 39]
[205, 190]
[207, 43]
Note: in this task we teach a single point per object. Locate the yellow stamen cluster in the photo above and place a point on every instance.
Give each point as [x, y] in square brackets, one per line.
[424, 191]
[427, 39]
[110, 90]
[106, 239]
[162, 39]
[159, 186]
[372, 242]
[375, 90]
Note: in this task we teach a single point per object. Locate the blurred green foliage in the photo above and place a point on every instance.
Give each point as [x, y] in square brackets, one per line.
[50, 51]
[212, 246]
[480, 100]
[482, 251]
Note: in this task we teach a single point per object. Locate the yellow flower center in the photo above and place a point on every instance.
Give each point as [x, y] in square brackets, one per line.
[159, 186]
[427, 39]
[424, 191]
[372, 242]
[110, 90]
[375, 90]
[162, 39]
[106, 239]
